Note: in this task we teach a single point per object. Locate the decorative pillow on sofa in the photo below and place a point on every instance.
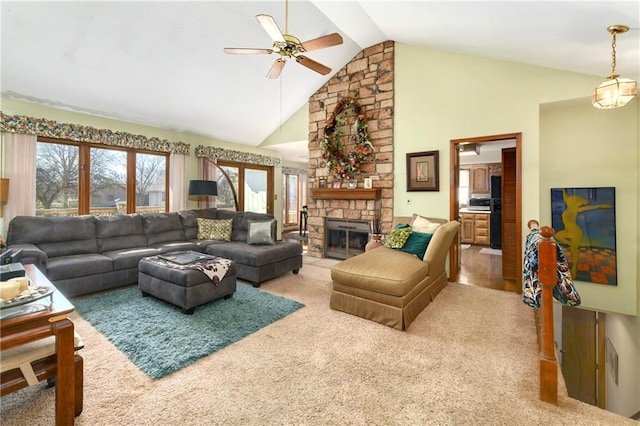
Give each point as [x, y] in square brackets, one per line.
[422, 224]
[417, 243]
[398, 236]
[212, 229]
[261, 231]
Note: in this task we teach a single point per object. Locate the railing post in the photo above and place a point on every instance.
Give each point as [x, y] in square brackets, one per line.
[547, 277]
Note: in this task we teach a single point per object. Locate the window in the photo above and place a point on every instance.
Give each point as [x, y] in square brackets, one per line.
[77, 178]
[290, 191]
[463, 189]
[253, 185]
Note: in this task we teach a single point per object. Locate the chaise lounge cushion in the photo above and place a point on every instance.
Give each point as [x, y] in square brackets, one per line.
[255, 255]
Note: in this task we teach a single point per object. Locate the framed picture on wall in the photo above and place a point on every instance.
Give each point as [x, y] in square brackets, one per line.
[584, 220]
[422, 171]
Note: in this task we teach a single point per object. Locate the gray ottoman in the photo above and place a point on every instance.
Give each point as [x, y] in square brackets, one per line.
[183, 285]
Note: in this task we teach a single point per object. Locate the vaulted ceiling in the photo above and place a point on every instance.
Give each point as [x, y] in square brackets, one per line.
[162, 63]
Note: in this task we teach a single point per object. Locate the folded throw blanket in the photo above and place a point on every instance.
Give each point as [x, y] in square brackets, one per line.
[563, 291]
[213, 267]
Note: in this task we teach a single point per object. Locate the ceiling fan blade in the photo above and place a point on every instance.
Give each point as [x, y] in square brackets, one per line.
[246, 51]
[313, 65]
[270, 26]
[322, 42]
[276, 69]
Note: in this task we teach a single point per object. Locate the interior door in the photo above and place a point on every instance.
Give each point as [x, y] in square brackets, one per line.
[579, 360]
[510, 251]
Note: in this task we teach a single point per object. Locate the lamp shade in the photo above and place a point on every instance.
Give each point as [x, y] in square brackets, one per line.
[614, 93]
[203, 187]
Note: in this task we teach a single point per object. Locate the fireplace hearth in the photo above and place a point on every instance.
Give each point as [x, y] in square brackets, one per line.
[345, 238]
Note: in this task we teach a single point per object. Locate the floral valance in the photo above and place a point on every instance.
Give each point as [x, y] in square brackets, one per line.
[236, 156]
[78, 133]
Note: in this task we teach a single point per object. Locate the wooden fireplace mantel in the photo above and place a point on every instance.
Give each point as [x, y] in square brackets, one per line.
[345, 194]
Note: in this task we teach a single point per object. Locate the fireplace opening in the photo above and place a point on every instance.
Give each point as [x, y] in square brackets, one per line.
[345, 238]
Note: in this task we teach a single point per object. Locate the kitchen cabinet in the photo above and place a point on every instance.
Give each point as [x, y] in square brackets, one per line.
[466, 228]
[475, 228]
[480, 179]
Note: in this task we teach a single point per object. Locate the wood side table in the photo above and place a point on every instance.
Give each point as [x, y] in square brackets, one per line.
[54, 321]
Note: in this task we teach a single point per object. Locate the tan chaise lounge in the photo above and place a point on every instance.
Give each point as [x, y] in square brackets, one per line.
[391, 286]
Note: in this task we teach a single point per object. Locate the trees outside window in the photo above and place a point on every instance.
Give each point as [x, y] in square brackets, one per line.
[74, 178]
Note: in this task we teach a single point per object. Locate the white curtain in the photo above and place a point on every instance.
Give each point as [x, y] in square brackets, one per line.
[20, 167]
[177, 182]
[209, 172]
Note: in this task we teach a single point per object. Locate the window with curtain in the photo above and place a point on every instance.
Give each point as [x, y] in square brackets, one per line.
[290, 197]
[253, 184]
[76, 178]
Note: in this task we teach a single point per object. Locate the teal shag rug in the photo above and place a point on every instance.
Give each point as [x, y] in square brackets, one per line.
[160, 340]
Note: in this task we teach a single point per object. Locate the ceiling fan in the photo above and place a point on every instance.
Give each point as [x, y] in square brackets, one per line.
[289, 46]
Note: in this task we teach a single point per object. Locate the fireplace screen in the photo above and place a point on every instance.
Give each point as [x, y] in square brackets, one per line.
[345, 238]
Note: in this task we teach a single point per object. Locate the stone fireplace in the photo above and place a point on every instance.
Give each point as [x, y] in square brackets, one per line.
[345, 238]
[368, 78]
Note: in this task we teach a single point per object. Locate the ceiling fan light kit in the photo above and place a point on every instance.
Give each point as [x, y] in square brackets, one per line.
[614, 92]
[288, 46]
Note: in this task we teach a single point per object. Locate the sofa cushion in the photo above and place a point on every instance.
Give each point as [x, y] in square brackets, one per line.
[79, 265]
[261, 232]
[47, 229]
[162, 227]
[116, 232]
[70, 236]
[129, 258]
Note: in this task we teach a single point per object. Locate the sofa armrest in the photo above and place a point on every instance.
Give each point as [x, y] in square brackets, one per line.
[31, 254]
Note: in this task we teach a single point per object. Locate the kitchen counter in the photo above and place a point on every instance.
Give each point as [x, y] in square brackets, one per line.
[466, 210]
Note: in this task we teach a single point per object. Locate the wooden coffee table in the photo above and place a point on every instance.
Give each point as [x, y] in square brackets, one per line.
[22, 329]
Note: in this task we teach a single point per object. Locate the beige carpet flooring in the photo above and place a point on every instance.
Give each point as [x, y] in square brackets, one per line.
[469, 358]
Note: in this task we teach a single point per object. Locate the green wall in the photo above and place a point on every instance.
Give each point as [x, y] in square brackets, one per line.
[13, 107]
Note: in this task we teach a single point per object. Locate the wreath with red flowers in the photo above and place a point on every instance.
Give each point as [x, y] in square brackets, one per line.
[346, 164]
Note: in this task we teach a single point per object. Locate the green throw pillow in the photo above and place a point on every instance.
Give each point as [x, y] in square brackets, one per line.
[398, 236]
[417, 243]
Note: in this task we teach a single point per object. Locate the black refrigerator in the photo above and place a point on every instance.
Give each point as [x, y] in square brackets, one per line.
[495, 215]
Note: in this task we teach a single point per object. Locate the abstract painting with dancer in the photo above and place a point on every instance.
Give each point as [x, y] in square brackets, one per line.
[585, 223]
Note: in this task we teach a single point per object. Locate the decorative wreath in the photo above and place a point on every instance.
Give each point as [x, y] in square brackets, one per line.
[345, 165]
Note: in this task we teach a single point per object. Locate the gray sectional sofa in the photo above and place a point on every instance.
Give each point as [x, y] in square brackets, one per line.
[86, 254]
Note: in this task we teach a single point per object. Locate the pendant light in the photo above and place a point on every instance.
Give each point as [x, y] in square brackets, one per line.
[614, 92]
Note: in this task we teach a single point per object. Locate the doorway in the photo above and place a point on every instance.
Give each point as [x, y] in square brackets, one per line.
[511, 222]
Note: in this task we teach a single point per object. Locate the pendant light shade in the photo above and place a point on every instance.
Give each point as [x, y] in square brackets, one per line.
[614, 92]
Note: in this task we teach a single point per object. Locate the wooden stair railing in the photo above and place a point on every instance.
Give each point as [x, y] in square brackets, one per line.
[547, 277]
